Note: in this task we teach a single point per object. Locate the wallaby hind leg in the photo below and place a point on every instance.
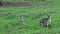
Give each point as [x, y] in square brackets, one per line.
[49, 26]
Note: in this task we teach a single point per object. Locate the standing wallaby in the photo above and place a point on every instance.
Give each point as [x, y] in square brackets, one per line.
[21, 20]
[45, 22]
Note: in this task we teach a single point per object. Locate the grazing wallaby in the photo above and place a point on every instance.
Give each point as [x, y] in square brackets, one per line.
[21, 20]
[45, 22]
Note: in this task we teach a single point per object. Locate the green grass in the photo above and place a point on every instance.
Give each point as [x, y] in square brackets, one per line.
[10, 17]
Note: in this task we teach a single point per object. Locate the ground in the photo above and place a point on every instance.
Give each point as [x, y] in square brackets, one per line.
[23, 4]
[10, 19]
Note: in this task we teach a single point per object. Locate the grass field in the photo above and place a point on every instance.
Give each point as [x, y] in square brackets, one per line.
[10, 17]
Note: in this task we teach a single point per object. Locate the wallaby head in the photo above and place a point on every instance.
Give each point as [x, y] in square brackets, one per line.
[49, 16]
[21, 16]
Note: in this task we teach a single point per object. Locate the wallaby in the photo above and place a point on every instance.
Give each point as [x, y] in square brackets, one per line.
[45, 22]
[21, 20]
